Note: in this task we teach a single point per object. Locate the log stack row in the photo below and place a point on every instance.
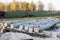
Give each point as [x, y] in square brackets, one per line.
[31, 26]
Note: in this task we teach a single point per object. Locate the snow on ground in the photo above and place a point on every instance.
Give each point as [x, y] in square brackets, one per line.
[14, 36]
[46, 38]
[21, 36]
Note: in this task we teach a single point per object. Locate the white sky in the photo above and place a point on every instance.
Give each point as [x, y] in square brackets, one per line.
[56, 3]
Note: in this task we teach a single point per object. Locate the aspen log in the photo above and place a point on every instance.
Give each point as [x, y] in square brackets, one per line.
[20, 27]
[26, 28]
[1, 25]
[30, 30]
[57, 25]
[36, 30]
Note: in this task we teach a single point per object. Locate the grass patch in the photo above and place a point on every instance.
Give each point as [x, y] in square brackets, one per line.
[31, 18]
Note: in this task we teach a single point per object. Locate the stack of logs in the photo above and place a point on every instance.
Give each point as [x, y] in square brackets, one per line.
[44, 26]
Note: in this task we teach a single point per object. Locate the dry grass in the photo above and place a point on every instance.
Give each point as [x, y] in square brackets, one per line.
[31, 18]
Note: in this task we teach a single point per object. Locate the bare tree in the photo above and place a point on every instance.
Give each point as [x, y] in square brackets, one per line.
[50, 6]
[40, 6]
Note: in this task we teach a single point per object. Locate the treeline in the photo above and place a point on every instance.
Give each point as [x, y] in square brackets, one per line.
[23, 6]
[17, 6]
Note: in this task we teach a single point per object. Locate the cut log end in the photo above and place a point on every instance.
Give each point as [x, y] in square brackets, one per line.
[20, 28]
[5, 24]
[26, 28]
[11, 26]
[30, 30]
[36, 30]
[1, 25]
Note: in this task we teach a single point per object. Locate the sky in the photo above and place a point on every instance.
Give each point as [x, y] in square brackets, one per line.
[56, 3]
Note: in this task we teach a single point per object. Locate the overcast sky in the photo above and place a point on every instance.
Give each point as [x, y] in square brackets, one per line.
[56, 3]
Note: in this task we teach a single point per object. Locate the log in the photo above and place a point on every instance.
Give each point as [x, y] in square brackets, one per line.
[30, 30]
[10, 22]
[11, 26]
[41, 24]
[47, 25]
[5, 24]
[57, 25]
[21, 27]
[26, 28]
[36, 30]
[1, 25]
[2, 29]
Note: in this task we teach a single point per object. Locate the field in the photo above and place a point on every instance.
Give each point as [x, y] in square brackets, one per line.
[22, 14]
[30, 18]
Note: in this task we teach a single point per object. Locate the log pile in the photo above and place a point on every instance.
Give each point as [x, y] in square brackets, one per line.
[49, 27]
